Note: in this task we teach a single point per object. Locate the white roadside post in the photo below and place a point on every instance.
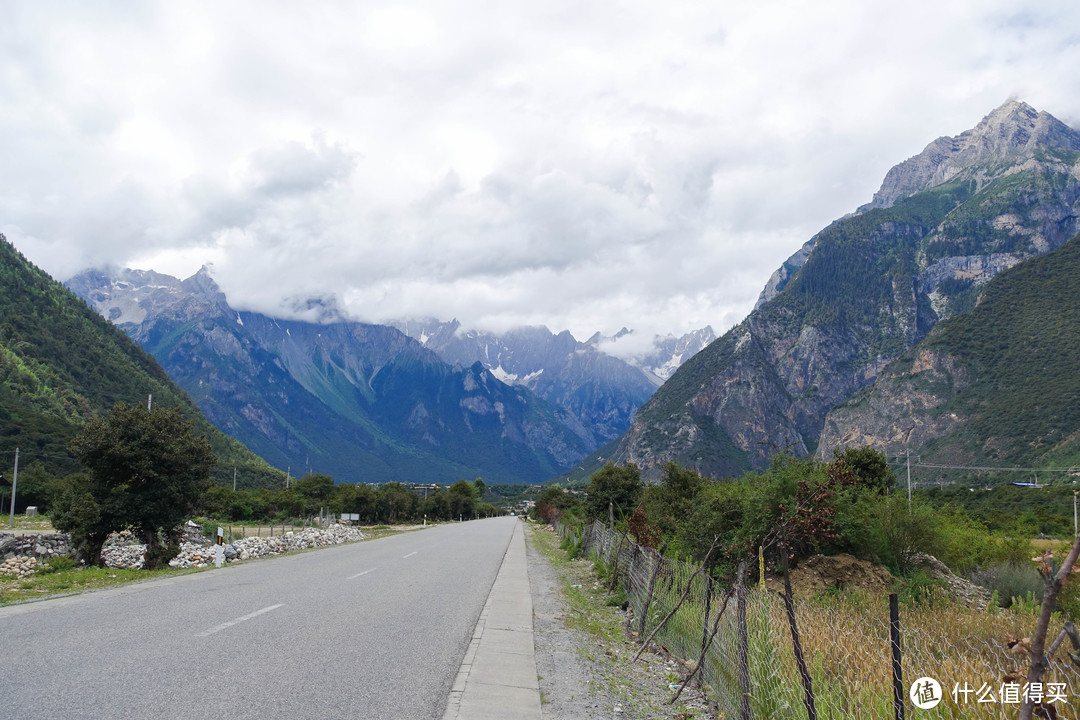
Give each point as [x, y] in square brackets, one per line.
[219, 549]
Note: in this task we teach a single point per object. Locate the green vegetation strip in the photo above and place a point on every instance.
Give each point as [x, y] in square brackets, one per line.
[71, 581]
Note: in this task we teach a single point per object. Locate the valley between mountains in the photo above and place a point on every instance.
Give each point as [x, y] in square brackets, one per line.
[935, 320]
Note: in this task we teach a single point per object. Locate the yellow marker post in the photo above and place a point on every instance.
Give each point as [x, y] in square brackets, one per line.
[761, 566]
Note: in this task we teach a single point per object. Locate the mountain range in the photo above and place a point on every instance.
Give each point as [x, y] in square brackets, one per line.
[62, 364]
[861, 300]
[600, 390]
[369, 403]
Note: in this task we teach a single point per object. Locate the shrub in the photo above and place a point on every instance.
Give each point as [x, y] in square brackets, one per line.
[1010, 580]
[60, 563]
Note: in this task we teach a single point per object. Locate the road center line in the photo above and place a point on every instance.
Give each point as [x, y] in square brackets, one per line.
[249, 616]
[361, 573]
[409, 555]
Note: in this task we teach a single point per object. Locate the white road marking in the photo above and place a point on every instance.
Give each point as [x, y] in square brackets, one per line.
[249, 616]
[409, 555]
[361, 573]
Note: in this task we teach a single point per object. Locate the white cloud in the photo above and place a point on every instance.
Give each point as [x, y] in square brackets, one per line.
[584, 166]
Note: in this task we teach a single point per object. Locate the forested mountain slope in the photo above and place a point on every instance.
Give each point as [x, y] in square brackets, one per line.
[999, 385]
[61, 364]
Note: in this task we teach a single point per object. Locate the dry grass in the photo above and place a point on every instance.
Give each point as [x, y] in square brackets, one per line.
[845, 638]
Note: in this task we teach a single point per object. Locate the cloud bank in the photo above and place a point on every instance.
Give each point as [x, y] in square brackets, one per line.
[585, 167]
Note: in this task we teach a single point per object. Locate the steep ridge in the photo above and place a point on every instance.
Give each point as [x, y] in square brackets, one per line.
[359, 402]
[865, 290]
[61, 364]
[998, 385]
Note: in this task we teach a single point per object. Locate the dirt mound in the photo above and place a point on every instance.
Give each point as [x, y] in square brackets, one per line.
[846, 572]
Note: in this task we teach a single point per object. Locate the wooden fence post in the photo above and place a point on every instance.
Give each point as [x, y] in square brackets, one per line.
[897, 670]
[652, 586]
[686, 593]
[1038, 642]
[744, 644]
[708, 609]
[615, 564]
[800, 661]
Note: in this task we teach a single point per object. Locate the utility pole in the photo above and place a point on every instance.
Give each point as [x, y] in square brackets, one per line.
[908, 452]
[14, 484]
[234, 478]
[149, 401]
[1076, 527]
[287, 471]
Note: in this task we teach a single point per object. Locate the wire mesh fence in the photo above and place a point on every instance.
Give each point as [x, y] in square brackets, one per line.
[845, 641]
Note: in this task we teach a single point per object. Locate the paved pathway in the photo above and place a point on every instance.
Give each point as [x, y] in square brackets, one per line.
[498, 678]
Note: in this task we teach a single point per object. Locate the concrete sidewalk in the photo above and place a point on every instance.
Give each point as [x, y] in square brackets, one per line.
[497, 678]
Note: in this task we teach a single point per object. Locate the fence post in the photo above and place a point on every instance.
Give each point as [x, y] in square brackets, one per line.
[897, 670]
[652, 586]
[708, 610]
[744, 644]
[682, 599]
[800, 661]
[615, 564]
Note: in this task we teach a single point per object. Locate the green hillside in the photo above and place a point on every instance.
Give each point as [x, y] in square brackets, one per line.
[1021, 346]
[61, 363]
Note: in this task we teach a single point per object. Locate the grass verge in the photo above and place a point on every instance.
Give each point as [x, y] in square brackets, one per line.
[40, 586]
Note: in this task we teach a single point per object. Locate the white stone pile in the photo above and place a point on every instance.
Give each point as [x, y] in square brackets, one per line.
[18, 566]
[195, 555]
[122, 550]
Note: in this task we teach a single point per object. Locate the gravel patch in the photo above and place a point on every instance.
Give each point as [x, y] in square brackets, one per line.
[571, 686]
[584, 647]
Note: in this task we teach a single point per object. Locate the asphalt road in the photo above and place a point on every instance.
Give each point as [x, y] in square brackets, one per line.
[369, 630]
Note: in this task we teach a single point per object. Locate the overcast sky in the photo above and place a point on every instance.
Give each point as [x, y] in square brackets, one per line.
[585, 165]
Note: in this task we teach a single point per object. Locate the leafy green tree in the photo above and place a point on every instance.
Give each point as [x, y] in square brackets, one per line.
[396, 503]
[480, 489]
[461, 499]
[486, 510]
[620, 486]
[359, 499]
[437, 505]
[556, 497]
[316, 490]
[870, 466]
[146, 470]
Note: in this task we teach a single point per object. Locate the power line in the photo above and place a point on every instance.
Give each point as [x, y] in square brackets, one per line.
[1000, 469]
[901, 460]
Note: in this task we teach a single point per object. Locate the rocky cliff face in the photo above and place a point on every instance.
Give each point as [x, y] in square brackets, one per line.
[996, 385]
[359, 402]
[864, 291]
